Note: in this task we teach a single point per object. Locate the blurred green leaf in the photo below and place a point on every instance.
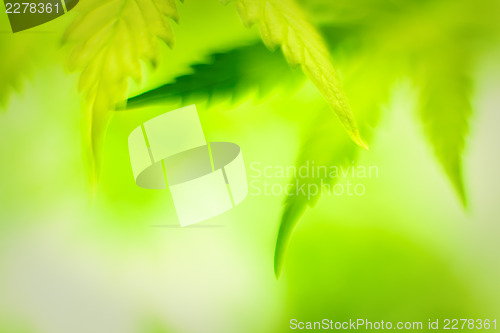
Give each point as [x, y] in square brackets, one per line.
[110, 39]
[445, 110]
[15, 65]
[325, 145]
[234, 74]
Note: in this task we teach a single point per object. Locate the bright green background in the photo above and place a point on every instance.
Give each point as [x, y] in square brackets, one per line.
[406, 250]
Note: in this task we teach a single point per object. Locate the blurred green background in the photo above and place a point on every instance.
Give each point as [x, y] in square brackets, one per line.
[116, 261]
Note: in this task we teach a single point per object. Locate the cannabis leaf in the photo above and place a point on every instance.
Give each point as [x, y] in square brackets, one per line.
[438, 57]
[110, 39]
[235, 74]
[445, 111]
[325, 146]
[282, 23]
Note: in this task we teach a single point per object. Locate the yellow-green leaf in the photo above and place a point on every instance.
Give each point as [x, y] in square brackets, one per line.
[326, 145]
[283, 24]
[110, 38]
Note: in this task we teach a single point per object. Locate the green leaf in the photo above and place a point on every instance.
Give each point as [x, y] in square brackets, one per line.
[110, 38]
[445, 109]
[234, 74]
[326, 145]
[282, 23]
[18, 58]
[14, 66]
